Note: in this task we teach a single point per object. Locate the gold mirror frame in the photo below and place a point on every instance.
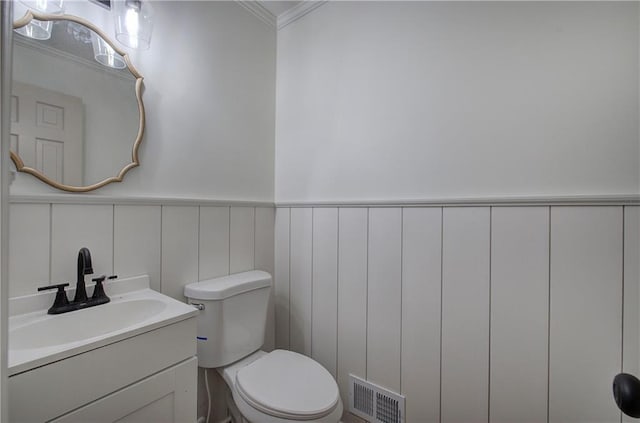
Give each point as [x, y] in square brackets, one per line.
[20, 166]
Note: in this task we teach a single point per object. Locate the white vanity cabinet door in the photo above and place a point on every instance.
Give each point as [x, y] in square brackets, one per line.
[168, 396]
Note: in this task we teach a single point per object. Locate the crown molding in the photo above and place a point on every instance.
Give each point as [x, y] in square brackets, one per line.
[298, 11]
[259, 11]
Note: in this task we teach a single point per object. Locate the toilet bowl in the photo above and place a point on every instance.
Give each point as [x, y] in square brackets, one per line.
[266, 387]
[283, 386]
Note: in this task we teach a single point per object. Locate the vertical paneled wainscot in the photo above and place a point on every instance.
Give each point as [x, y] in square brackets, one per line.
[501, 314]
[175, 242]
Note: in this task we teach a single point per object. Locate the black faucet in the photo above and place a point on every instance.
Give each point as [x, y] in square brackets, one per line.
[62, 304]
[84, 268]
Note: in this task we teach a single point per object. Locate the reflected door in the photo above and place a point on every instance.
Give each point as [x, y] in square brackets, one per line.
[47, 132]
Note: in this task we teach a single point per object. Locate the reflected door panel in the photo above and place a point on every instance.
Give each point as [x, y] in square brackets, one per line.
[49, 158]
[47, 130]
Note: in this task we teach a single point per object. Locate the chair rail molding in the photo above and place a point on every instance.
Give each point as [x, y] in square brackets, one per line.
[566, 200]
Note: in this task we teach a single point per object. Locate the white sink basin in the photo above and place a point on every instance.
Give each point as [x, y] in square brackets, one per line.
[37, 338]
[83, 324]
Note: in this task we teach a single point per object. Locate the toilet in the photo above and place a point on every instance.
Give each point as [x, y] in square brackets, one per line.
[266, 387]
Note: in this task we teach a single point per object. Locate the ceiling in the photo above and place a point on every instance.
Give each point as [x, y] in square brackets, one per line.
[277, 8]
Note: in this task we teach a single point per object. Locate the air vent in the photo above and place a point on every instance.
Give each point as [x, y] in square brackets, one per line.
[374, 403]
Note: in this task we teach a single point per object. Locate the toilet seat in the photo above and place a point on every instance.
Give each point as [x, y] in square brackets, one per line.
[288, 385]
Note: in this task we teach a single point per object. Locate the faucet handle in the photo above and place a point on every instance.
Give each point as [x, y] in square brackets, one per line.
[61, 297]
[59, 287]
[99, 279]
[99, 296]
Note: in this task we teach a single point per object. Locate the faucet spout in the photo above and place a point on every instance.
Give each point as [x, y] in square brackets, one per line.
[84, 268]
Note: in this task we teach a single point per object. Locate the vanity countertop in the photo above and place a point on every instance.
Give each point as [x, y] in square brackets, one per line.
[37, 338]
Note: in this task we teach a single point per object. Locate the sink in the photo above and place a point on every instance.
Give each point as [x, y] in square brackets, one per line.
[37, 338]
[83, 324]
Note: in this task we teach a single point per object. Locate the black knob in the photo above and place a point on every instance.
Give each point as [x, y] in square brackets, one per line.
[626, 392]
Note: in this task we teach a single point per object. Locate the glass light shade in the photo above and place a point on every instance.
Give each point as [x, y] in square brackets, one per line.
[105, 54]
[39, 30]
[134, 23]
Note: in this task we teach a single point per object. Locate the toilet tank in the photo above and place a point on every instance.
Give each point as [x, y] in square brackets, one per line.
[232, 320]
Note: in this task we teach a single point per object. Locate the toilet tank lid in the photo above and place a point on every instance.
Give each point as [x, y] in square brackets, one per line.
[227, 286]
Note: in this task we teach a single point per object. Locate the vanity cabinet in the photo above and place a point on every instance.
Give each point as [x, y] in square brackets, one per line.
[164, 397]
[148, 377]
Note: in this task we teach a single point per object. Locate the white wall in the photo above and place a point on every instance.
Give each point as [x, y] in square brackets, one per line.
[420, 100]
[209, 96]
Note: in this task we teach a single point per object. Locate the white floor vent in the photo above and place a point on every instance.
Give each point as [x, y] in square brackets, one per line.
[374, 403]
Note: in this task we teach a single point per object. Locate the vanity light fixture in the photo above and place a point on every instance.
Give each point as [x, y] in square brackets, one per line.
[105, 54]
[40, 30]
[134, 23]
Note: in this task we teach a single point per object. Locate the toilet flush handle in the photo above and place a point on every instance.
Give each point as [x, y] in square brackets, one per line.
[199, 306]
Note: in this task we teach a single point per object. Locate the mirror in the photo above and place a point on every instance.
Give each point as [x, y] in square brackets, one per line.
[77, 120]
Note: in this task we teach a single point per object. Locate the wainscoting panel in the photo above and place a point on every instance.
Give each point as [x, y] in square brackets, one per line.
[465, 314]
[179, 249]
[519, 314]
[325, 287]
[241, 239]
[421, 308]
[175, 243]
[353, 226]
[214, 242]
[300, 283]
[586, 313]
[631, 293]
[136, 241]
[30, 235]
[499, 313]
[264, 239]
[492, 283]
[281, 278]
[263, 260]
[384, 297]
